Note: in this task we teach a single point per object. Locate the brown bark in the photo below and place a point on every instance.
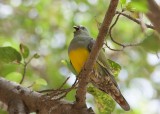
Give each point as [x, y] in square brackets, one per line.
[154, 14]
[21, 100]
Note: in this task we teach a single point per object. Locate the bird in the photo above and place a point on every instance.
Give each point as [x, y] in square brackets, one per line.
[102, 76]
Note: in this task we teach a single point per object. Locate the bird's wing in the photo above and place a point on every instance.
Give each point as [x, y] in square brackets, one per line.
[103, 62]
[105, 80]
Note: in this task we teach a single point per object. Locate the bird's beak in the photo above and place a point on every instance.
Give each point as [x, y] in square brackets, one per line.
[76, 28]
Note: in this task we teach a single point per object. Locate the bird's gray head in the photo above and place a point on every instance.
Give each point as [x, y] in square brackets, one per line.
[80, 30]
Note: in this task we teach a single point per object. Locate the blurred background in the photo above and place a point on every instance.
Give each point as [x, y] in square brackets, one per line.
[46, 28]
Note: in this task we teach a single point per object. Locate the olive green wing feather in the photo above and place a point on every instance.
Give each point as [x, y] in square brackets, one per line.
[105, 81]
[102, 61]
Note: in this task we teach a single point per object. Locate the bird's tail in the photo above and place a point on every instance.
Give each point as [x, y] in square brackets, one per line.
[120, 100]
[106, 83]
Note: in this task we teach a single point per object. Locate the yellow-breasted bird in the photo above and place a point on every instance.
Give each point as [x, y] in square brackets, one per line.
[102, 77]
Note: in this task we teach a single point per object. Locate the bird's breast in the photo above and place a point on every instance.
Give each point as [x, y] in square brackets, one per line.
[78, 57]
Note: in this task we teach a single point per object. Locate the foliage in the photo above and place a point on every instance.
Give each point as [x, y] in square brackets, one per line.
[104, 102]
[9, 54]
[115, 67]
[14, 76]
[137, 5]
[44, 30]
[24, 51]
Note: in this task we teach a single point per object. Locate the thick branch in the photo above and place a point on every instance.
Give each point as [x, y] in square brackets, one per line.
[154, 14]
[16, 106]
[10, 90]
[84, 75]
[22, 100]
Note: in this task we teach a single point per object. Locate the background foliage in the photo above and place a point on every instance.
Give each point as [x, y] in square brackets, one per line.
[45, 27]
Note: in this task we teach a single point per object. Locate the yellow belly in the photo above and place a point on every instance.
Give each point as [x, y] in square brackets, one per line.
[78, 57]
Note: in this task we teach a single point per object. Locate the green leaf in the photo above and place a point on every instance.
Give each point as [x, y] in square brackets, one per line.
[24, 50]
[36, 55]
[123, 2]
[129, 7]
[9, 54]
[69, 66]
[103, 101]
[41, 81]
[115, 67]
[152, 42]
[138, 6]
[14, 76]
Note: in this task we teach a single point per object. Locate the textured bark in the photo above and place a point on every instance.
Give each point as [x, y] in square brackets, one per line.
[21, 100]
[154, 14]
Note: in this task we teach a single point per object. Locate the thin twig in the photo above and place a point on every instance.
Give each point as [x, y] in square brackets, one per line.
[31, 85]
[61, 93]
[29, 60]
[68, 90]
[110, 34]
[135, 20]
[24, 72]
[46, 90]
[110, 31]
[64, 83]
[124, 46]
[50, 90]
[157, 55]
[24, 68]
[98, 24]
[142, 24]
[112, 48]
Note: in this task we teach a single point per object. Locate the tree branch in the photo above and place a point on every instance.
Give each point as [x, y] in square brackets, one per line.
[154, 14]
[135, 20]
[8, 91]
[23, 101]
[84, 74]
[16, 106]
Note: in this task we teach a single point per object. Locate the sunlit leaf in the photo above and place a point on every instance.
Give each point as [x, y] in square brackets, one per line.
[41, 81]
[123, 2]
[129, 7]
[139, 6]
[9, 54]
[103, 101]
[115, 67]
[14, 76]
[24, 50]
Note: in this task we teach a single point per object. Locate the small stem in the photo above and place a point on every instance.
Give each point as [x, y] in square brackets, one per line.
[112, 48]
[110, 34]
[25, 67]
[64, 83]
[135, 20]
[157, 55]
[24, 72]
[110, 31]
